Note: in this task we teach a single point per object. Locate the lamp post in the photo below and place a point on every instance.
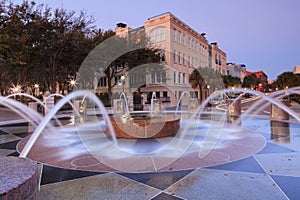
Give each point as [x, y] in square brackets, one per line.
[208, 90]
[287, 93]
[36, 89]
[72, 83]
[123, 81]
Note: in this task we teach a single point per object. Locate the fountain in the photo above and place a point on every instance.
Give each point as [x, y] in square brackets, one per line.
[189, 143]
[143, 141]
[142, 125]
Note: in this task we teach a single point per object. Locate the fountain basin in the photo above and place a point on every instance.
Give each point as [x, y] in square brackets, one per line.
[18, 178]
[89, 149]
[139, 126]
[144, 126]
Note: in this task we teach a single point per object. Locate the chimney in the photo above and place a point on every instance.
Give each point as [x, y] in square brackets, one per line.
[121, 25]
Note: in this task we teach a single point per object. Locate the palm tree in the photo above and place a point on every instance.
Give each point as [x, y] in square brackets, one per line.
[205, 78]
[196, 80]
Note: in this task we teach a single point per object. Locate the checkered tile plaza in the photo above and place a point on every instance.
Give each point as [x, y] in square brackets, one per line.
[270, 173]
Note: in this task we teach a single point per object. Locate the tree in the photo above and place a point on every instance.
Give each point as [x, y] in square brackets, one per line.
[38, 44]
[115, 56]
[196, 80]
[230, 81]
[251, 81]
[14, 37]
[202, 77]
[287, 79]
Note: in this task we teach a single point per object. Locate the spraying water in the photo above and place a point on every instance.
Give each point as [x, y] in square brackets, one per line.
[22, 110]
[27, 95]
[69, 102]
[180, 99]
[123, 95]
[58, 106]
[211, 131]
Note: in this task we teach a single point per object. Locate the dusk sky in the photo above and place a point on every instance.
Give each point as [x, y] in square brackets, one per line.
[262, 34]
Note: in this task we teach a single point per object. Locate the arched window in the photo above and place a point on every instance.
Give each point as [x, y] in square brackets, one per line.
[158, 34]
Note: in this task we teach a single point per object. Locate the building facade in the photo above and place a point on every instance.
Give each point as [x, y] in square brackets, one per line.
[184, 50]
[263, 77]
[236, 70]
[296, 70]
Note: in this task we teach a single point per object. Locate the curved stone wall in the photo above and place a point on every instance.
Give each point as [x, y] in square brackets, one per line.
[18, 178]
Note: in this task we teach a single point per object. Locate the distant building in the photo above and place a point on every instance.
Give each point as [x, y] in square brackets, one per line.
[263, 77]
[184, 50]
[236, 70]
[296, 70]
[217, 58]
[271, 82]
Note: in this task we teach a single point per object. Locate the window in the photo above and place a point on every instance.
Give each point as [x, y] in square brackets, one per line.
[189, 61]
[174, 77]
[189, 42]
[179, 60]
[193, 62]
[174, 35]
[179, 76]
[157, 94]
[102, 82]
[163, 56]
[183, 78]
[183, 39]
[178, 37]
[117, 79]
[183, 59]
[158, 35]
[174, 56]
[165, 94]
[158, 77]
[193, 45]
[153, 77]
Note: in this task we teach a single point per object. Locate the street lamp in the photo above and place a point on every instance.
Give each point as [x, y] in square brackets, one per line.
[287, 93]
[72, 83]
[123, 81]
[208, 87]
[17, 89]
[36, 89]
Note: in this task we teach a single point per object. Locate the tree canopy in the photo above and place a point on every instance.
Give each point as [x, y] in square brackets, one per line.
[203, 77]
[48, 46]
[230, 81]
[287, 79]
[251, 81]
[42, 45]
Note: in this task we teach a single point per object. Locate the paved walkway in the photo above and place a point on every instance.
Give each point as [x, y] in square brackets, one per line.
[272, 173]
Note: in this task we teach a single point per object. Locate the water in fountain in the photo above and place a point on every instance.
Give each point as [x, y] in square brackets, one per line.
[24, 111]
[172, 150]
[69, 102]
[54, 110]
[27, 95]
[123, 95]
[153, 96]
[43, 103]
[201, 136]
[258, 106]
[180, 99]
